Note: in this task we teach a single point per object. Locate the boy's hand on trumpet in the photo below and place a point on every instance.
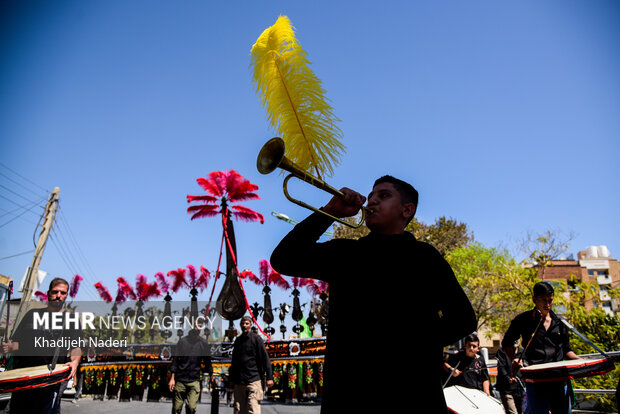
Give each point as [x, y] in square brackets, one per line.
[346, 206]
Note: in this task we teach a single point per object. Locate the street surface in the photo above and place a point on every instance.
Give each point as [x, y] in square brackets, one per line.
[90, 406]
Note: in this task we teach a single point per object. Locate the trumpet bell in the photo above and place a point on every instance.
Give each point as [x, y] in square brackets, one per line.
[270, 155]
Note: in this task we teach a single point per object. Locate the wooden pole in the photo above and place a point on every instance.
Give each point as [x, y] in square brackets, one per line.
[33, 270]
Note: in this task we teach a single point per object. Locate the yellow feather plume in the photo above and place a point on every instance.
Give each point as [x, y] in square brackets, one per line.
[294, 100]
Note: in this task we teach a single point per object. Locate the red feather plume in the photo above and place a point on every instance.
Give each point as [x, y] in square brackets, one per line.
[103, 292]
[150, 291]
[202, 210]
[203, 279]
[141, 285]
[126, 289]
[278, 280]
[247, 214]
[323, 286]
[248, 274]
[178, 279]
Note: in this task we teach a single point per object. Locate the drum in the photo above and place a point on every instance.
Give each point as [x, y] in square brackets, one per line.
[32, 377]
[461, 400]
[567, 370]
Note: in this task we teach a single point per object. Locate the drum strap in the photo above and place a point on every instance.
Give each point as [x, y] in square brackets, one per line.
[580, 335]
[52, 365]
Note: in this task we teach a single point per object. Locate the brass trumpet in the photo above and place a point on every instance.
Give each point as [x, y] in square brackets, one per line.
[271, 156]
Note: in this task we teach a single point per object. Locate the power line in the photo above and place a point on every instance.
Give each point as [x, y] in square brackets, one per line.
[62, 237]
[17, 254]
[24, 178]
[80, 253]
[37, 193]
[16, 216]
[66, 254]
[71, 253]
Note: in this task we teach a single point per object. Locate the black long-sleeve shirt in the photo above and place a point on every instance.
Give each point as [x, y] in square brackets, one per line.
[380, 287]
[548, 345]
[191, 352]
[250, 361]
[505, 372]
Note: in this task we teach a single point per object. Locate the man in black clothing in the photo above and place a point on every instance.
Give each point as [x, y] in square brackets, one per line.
[467, 368]
[509, 384]
[190, 358]
[376, 284]
[34, 346]
[249, 368]
[545, 339]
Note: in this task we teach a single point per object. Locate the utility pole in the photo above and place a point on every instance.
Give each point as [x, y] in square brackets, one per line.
[33, 270]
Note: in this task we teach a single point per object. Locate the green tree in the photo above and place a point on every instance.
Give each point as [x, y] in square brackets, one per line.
[600, 328]
[445, 234]
[496, 284]
[542, 248]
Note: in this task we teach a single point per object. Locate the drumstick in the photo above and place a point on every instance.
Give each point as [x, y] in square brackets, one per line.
[450, 376]
[528, 342]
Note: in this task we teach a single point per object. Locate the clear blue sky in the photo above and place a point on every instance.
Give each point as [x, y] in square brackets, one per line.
[505, 115]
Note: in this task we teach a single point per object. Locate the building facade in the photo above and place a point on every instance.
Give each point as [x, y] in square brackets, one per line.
[595, 264]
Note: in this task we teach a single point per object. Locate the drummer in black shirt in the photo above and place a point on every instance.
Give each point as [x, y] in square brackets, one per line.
[31, 348]
[545, 339]
[468, 368]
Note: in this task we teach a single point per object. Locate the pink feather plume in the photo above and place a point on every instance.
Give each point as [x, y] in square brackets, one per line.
[308, 283]
[75, 285]
[263, 271]
[161, 279]
[192, 275]
[41, 296]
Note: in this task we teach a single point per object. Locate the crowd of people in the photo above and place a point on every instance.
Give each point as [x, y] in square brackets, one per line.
[396, 264]
[543, 338]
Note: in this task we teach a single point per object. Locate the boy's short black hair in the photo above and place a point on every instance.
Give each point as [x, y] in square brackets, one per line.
[542, 289]
[473, 337]
[408, 194]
